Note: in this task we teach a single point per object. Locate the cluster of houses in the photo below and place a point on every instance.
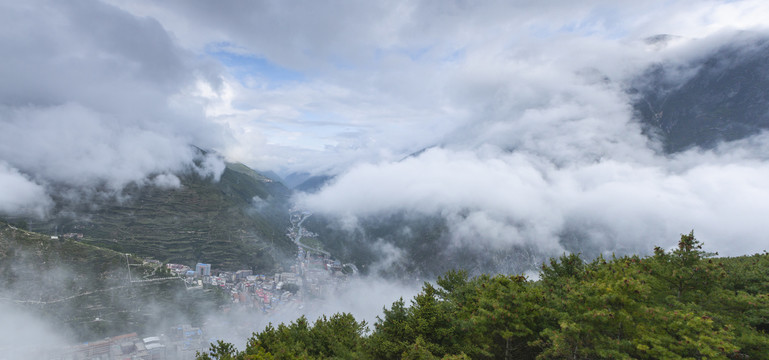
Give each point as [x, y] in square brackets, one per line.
[178, 343]
[314, 275]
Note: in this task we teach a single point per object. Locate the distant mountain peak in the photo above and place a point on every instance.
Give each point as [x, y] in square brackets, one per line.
[721, 96]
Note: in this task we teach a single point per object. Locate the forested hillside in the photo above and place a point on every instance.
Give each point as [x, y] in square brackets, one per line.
[237, 222]
[683, 304]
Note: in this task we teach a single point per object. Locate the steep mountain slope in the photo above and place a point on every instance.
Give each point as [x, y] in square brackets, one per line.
[296, 178]
[723, 96]
[314, 183]
[84, 290]
[236, 222]
[405, 245]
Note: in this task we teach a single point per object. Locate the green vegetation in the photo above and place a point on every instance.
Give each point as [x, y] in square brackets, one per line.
[83, 290]
[683, 304]
[311, 242]
[424, 252]
[423, 243]
[236, 223]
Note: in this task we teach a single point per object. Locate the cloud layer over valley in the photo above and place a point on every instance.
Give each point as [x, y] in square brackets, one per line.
[524, 109]
[490, 132]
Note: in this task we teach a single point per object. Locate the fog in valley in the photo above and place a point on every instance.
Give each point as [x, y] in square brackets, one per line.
[498, 134]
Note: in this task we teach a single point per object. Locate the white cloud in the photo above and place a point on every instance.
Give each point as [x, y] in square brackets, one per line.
[75, 145]
[525, 101]
[20, 195]
[511, 199]
[24, 335]
[96, 98]
[167, 181]
[395, 77]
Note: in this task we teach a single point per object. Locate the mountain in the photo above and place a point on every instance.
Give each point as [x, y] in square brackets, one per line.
[408, 245]
[270, 175]
[722, 96]
[296, 178]
[237, 222]
[79, 281]
[313, 183]
[84, 292]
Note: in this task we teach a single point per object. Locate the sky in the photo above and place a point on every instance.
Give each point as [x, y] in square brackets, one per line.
[521, 108]
[521, 104]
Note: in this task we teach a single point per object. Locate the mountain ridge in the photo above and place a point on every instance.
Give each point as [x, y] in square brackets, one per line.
[724, 97]
[236, 222]
[84, 291]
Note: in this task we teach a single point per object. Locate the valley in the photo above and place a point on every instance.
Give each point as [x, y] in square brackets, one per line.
[374, 180]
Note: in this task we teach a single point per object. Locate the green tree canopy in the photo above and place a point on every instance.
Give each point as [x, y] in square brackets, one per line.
[682, 304]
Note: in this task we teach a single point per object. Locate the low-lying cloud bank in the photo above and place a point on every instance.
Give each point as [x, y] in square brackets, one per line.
[497, 199]
[363, 297]
[24, 334]
[560, 156]
[20, 194]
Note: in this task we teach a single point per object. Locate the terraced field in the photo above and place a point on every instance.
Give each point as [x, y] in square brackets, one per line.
[83, 290]
[236, 223]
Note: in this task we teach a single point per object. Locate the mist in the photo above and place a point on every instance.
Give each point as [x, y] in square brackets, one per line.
[558, 161]
[509, 125]
[363, 297]
[23, 334]
[88, 107]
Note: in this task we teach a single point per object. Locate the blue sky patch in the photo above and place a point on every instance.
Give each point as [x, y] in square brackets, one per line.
[243, 65]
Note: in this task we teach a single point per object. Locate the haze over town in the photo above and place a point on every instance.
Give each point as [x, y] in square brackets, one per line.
[512, 122]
